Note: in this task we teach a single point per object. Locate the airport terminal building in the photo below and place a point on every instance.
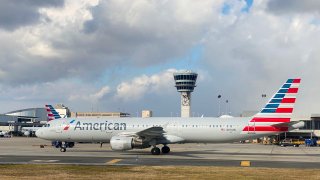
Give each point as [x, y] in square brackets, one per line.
[14, 121]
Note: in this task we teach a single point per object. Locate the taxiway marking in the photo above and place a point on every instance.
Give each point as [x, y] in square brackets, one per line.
[113, 161]
[45, 161]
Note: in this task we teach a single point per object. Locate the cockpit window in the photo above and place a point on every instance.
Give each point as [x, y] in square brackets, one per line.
[47, 125]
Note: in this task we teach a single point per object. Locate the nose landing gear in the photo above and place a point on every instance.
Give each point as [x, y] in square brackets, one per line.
[63, 149]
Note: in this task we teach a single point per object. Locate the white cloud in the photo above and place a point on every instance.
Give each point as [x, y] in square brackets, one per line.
[88, 96]
[66, 53]
[142, 85]
[83, 39]
[278, 48]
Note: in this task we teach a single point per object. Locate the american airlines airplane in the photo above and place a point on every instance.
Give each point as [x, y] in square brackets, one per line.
[130, 133]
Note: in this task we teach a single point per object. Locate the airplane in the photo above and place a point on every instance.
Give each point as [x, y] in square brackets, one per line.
[138, 133]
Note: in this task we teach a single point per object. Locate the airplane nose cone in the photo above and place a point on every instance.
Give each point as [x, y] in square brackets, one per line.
[38, 133]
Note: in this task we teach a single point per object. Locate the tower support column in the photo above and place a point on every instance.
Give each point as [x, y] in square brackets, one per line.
[185, 104]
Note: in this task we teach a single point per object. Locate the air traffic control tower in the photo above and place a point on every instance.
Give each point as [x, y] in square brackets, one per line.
[185, 83]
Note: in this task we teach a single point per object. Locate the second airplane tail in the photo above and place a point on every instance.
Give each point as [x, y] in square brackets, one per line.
[52, 113]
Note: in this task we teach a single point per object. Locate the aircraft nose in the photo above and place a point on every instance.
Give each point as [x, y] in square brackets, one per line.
[39, 133]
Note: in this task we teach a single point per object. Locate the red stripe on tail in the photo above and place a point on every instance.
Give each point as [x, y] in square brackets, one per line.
[265, 128]
[288, 100]
[292, 90]
[284, 110]
[296, 80]
[263, 119]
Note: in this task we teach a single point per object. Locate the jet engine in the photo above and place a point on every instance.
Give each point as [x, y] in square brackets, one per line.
[27, 133]
[122, 143]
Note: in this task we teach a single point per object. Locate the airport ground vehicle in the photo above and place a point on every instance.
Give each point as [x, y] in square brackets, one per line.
[4, 134]
[288, 142]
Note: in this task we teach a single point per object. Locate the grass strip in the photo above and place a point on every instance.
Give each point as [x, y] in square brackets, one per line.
[39, 171]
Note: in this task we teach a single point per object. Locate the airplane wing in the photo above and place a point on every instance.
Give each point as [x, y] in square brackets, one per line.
[150, 133]
[153, 134]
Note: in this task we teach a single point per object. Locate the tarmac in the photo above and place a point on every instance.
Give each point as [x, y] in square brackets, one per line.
[22, 150]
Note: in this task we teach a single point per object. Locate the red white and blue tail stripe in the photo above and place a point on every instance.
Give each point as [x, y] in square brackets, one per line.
[276, 115]
[52, 113]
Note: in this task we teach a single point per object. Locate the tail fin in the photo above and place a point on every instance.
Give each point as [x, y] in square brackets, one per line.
[277, 111]
[52, 113]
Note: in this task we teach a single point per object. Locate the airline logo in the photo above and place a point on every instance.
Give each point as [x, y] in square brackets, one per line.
[278, 110]
[284, 99]
[68, 126]
[52, 113]
[102, 126]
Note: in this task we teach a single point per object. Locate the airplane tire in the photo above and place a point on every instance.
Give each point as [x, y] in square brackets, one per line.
[155, 151]
[70, 144]
[57, 144]
[165, 149]
[63, 149]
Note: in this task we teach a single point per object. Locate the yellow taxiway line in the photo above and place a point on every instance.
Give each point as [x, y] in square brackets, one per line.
[113, 161]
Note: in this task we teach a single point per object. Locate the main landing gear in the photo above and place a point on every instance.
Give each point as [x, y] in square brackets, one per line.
[156, 151]
[63, 145]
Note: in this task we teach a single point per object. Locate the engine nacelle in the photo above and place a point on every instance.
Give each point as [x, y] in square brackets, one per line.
[27, 133]
[122, 143]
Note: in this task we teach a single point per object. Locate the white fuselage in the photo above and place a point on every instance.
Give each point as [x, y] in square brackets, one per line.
[200, 130]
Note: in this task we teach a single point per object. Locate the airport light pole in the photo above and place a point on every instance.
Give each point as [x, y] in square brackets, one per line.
[263, 96]
[312, 128]
[227, 101]
[219, 103]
